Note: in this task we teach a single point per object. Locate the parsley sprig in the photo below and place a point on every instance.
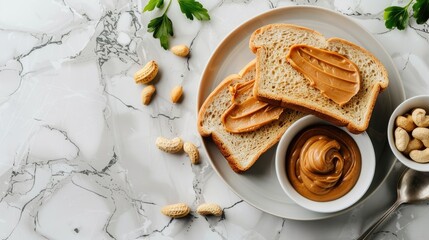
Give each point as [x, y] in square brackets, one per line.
[162, 26]
[397, 17]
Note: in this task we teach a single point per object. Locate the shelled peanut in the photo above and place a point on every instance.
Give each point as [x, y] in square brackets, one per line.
[176, 94]
[412, 135]
[180, 50]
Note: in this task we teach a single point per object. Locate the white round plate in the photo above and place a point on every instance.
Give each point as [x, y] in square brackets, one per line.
[259, 185]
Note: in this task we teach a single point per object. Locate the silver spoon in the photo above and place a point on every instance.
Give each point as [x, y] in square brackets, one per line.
[413, 186]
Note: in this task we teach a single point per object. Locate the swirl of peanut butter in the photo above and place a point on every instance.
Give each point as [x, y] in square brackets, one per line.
[323, 163]
[246, 112]
[334, 75]
[320, 156]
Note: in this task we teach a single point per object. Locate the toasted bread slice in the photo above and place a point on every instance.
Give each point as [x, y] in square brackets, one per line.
[241, 150]
[278, 83]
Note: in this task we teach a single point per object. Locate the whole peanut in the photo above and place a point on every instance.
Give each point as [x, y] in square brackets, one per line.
[169, 145]
[209, 209]
[147, 73]
[177, 210]
[192, 152]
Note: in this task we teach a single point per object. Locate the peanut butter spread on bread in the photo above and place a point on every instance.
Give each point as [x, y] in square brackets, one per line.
[250, 114]
[333, 74]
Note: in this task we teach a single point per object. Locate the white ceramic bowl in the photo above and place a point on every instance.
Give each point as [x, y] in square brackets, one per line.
[364, 181]
[421, 101]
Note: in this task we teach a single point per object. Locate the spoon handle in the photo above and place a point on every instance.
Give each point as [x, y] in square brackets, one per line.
[383, 218]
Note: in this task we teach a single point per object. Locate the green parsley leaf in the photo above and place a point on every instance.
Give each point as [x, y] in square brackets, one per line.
[192, 8]
[162, 28]
[152, 4]
[396, 17]
[421, 11]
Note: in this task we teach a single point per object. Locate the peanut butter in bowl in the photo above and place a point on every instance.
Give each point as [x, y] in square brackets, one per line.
[323, 163]
[322, 167]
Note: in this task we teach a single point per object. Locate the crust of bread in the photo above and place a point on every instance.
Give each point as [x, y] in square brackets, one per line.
[232, 161]
[307, 107]
[200, 126]
[254, 48]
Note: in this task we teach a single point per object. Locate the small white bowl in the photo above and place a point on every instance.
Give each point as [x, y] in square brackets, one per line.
[421, 101]
[364, 181]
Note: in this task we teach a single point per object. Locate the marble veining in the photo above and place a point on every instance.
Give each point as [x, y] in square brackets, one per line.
[78, 159]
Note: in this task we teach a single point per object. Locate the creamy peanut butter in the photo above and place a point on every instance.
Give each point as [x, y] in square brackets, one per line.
[323, 163]
[333, 74]
[248, 114]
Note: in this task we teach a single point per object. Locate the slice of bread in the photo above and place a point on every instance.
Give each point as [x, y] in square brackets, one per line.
[278, 83]
[241, 150]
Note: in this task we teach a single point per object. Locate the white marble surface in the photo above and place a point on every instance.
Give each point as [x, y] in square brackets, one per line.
[77, 152]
